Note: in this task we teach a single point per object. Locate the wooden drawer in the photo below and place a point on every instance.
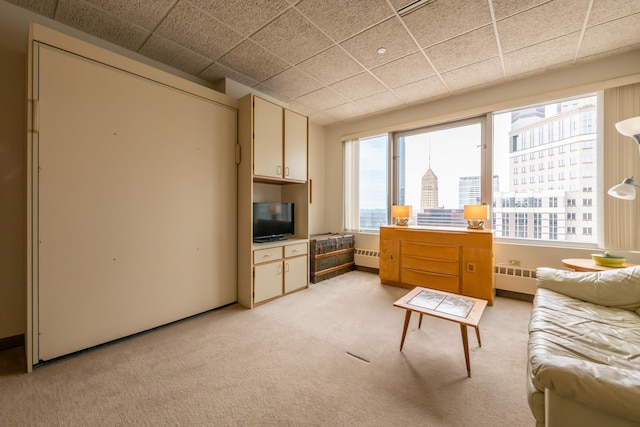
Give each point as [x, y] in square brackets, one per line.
[295, 250]
[448, 267]
[430, 250]
[426, 279]
[267, 255]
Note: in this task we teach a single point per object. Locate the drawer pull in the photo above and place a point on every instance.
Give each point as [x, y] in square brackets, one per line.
[266, 256]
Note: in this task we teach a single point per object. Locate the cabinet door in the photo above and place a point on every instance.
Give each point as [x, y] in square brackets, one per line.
[477, 273]
[295, 146]
[389, 260]
[267, 282]
[267, 139]
[295, 273]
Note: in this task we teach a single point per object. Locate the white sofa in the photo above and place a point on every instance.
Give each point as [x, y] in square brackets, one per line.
[584, 348]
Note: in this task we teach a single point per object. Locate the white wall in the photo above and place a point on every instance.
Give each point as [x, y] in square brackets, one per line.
[590, 76]
[12, 192]
[317, 174]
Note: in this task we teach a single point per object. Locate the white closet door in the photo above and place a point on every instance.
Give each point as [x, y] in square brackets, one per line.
[137, 204]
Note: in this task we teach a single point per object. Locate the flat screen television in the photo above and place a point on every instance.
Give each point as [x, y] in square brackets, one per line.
[272, 221]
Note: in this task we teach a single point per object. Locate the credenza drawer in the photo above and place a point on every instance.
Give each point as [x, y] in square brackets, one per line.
[295, 250]
[425, 279]
[430, 250]
[448, 267]
[267, 255]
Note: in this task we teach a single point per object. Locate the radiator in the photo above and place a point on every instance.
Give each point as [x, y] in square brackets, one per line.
[515, 279]
[367, 258]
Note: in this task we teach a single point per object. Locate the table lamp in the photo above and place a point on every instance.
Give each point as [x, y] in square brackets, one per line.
[401, 213]
[475, 216]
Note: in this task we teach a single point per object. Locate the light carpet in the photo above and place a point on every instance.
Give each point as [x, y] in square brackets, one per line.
[326, 356]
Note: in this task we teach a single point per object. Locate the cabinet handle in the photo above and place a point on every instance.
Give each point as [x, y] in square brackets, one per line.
[286, 267]
[286, 171]
[280, 269]
[279, 170]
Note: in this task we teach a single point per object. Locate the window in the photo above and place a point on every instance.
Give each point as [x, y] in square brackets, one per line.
[571, 216]
[571, 230]
[553, 226]
[587, 231]
[435, 177]
[521, 225]
[438, 169]
[587, 216]
[366, 164]
[560, 130]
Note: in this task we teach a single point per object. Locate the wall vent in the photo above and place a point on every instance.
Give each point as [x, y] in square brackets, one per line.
[508, 270]
[366, 257]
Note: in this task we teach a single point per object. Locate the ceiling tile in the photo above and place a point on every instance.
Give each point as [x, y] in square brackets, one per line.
[421, 90]
[300, 108]
[346, 111]
[322, 99]
[144, 13]
[605, 11]
[553, 19]
[379, 102]
[541, 56]
[253, 61]
[331, 66]
[356, 87]
[443, 20]
[321, 118]
[397, 4]
[405, 70]
[188, 26]
[485, 72]
[218, 71]
[610, 36]
[42, 7]
[92, 20]
[292, 37]
[278, 97]
[464, 50]
[353, 16]
[292, 83]
[504, 8]
[390, 34]
[246, 16]
[176, 56]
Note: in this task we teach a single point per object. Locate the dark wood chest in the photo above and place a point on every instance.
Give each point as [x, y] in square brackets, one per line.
[330, 255]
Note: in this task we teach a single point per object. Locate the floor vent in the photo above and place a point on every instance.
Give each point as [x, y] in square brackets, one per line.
[508, 270]
[366, 257]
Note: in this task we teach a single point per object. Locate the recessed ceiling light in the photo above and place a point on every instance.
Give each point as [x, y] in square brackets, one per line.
[382, 50]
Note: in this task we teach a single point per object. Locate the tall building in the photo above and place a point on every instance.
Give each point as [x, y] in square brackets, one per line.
[469, 190]
[429, 190]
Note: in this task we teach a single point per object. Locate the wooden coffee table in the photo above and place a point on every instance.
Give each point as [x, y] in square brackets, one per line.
[464, 310]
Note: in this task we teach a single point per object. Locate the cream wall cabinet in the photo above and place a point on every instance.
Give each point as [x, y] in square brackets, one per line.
[279, 270]
[267, 139]
[295, 146]
[272, 167]
[280, 138]
[451, 260]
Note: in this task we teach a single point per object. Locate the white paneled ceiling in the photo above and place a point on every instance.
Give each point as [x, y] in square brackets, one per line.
[320, 57]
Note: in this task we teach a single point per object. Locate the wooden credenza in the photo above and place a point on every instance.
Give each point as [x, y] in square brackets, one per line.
[448, 259]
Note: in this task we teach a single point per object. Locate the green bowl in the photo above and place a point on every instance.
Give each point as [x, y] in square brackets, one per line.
[608, 260]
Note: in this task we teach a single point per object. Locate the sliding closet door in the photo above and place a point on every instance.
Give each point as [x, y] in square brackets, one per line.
[136, 204]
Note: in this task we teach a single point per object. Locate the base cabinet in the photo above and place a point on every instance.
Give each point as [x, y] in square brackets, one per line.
[456, 260]
[279, 270]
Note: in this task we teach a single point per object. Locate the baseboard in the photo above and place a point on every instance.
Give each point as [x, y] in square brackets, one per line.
[367, 269]
[11, 342]
[514, 295]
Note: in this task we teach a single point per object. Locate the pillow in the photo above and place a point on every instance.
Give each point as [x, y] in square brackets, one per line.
[612, 288]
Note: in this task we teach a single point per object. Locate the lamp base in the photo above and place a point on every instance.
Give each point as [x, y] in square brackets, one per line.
[475, 224]
[403, 222]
